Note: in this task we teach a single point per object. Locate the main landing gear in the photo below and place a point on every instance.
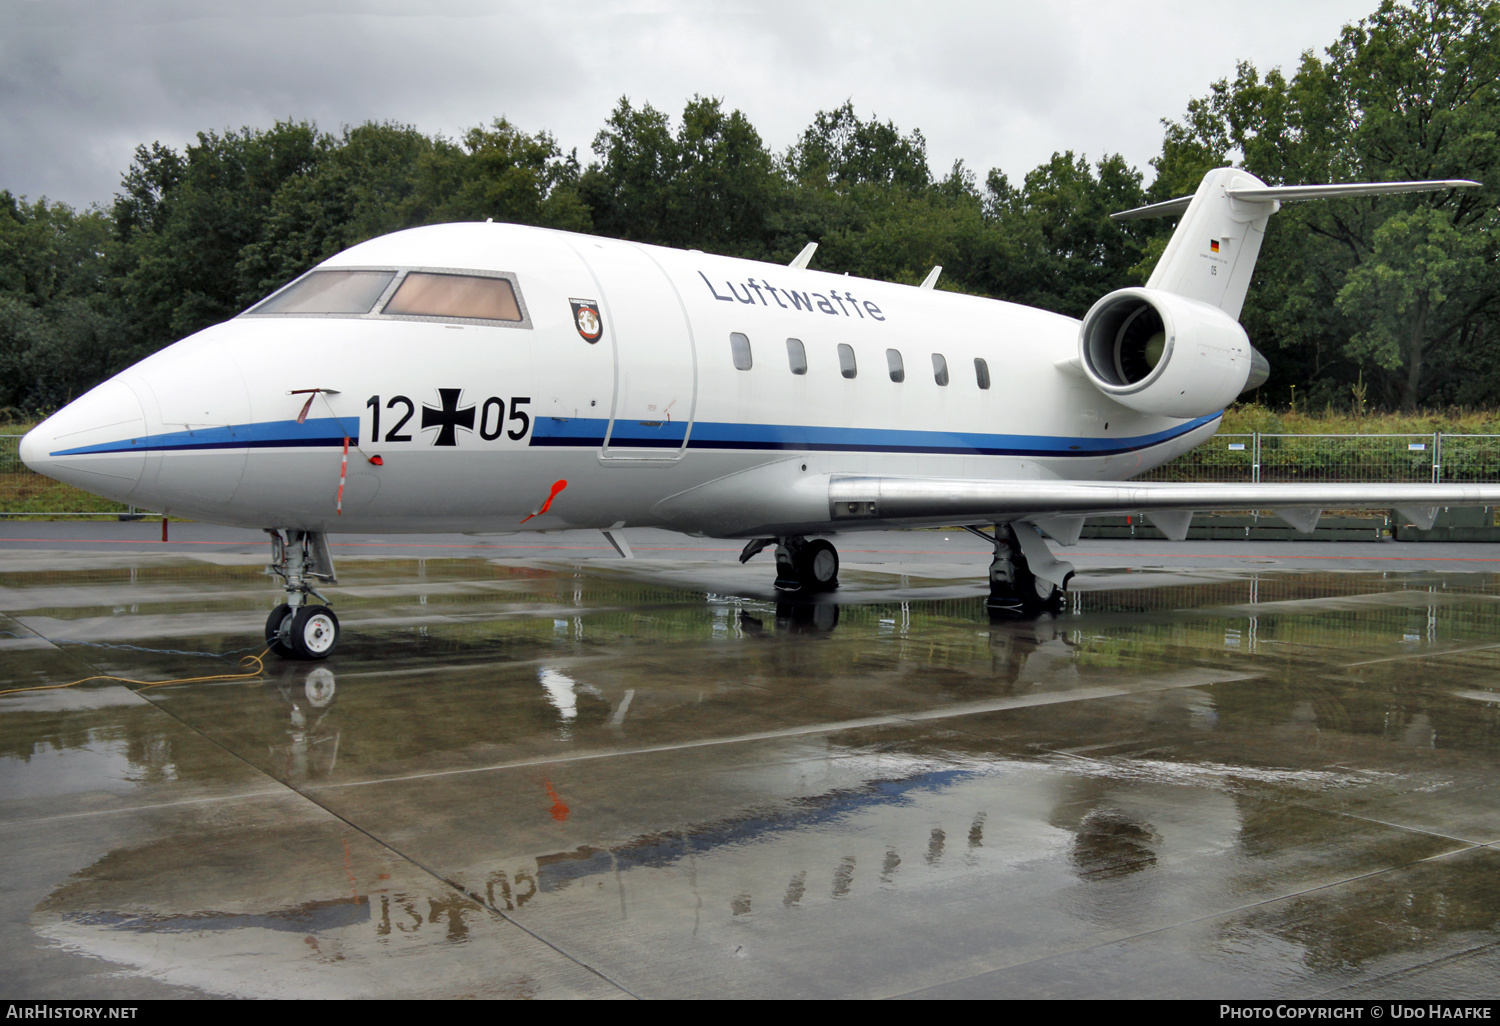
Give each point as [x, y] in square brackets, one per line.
[296, 630]
[1025, 578]
[801, 565]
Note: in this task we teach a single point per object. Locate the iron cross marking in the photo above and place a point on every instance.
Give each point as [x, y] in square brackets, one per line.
[449, 418]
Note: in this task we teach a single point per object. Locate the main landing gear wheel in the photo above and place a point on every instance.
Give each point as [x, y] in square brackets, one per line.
[805, 566]
[1016, 589]
[315, 632]
[819, 567]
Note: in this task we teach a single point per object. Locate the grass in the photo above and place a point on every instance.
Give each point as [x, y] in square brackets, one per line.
[1249, 417]
[27, 493]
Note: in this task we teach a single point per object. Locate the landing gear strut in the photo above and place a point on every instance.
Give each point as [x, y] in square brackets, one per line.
[296, 630]
[1025, 578]
[801, 565]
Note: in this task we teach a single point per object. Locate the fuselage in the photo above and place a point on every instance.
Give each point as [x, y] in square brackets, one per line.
[636, 374]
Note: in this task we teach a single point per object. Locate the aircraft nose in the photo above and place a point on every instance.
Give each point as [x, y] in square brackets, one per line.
[97, 442]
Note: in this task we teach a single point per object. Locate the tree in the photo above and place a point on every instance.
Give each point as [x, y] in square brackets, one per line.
[1408, 93]
[841, 150]
[356, 187]
[184, 220]
[709, 185]
[1067, 251]
[1418, 287]
[58, 334]
[503, 173]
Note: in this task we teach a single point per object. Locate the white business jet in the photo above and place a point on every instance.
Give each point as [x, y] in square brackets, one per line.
[491, 377]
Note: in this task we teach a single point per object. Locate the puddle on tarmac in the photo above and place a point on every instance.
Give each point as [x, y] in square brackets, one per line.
[704, 792]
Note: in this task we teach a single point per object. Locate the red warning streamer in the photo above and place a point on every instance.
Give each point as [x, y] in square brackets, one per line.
[556, 487]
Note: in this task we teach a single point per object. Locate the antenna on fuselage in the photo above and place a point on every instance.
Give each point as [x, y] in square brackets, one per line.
[932, 277]
[801, 260]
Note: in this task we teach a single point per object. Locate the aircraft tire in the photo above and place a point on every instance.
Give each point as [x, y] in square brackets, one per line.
[279, 631]
[315, 632]
[1042, 597]
[820, 566]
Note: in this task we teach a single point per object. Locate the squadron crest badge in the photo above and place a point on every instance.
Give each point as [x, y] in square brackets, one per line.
[587, 320]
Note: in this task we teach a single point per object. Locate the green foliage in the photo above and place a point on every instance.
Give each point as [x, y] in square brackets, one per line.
[840, 150]
[1066, 252]
[1400, 292]
[57, 332]
[710, 185]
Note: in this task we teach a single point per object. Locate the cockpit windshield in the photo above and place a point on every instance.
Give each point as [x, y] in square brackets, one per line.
[455, 295]
[409, 295]
[328, 292]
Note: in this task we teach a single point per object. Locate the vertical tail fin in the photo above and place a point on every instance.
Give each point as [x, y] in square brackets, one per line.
[1211, 256]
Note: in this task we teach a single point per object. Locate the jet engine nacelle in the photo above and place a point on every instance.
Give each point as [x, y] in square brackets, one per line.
[1161, 353]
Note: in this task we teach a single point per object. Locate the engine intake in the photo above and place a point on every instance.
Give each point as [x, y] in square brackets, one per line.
[1160, 353]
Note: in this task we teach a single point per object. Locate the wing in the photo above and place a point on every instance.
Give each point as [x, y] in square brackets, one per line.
[911, 500]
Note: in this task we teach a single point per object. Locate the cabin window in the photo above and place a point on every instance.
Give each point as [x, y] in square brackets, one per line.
[427, 294]
[981, 373]
[939, 369]
[739, 347]
[846, 360]
[796, 355]
[328, 292]
[897, 368]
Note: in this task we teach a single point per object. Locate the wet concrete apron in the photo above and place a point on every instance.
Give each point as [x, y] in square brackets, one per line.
[554, 777]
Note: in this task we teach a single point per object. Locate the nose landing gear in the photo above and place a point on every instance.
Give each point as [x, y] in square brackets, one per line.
[296, 630]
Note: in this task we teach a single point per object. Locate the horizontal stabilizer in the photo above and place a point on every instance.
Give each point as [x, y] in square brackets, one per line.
[1285, 193]
[1291, 193]
[1166, 208]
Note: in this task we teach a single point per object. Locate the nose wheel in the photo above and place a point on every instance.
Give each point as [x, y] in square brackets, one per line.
[307, 632]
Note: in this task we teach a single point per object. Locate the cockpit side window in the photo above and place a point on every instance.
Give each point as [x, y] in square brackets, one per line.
[426, 294]
[328, 292]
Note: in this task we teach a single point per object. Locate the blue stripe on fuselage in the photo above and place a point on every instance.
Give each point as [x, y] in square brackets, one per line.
[275, 434]
[585, 432]
[589, 433]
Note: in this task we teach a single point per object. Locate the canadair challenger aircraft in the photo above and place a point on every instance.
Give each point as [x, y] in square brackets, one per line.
[482, 377]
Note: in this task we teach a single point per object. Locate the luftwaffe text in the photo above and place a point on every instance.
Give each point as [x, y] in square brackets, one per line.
[833, 302]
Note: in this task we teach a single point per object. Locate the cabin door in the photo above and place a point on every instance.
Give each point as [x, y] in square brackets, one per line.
[656, 372]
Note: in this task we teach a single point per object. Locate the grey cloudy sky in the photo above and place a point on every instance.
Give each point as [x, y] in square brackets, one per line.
[998, 84]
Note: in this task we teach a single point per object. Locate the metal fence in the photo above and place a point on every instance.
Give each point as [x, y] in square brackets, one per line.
[1249, 459]
[1384, 459]
[24, 492]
